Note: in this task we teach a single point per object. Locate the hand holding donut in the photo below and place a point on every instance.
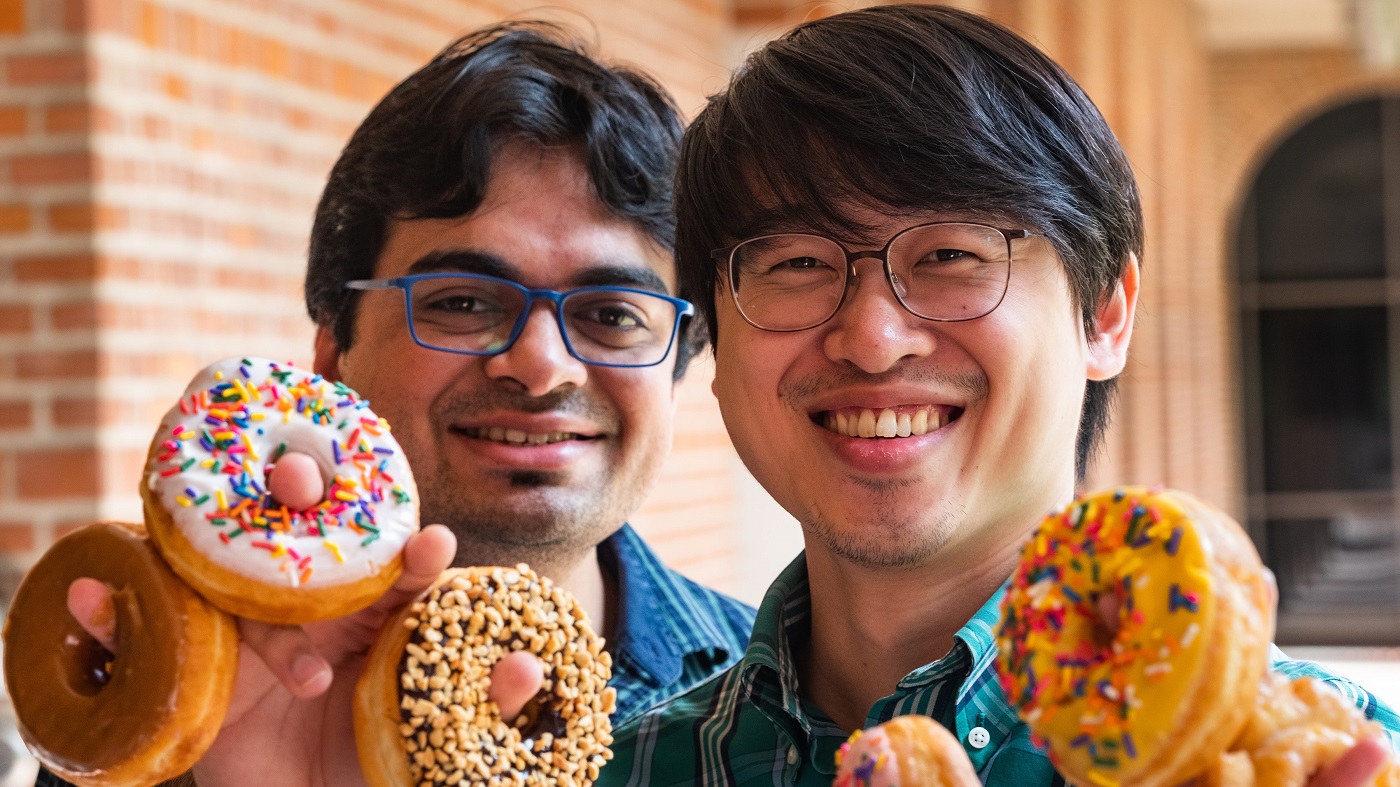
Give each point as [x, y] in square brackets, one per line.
[330, 537]
[1134, 643]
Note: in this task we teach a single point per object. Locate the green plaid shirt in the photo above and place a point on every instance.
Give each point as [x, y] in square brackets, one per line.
[751, 726]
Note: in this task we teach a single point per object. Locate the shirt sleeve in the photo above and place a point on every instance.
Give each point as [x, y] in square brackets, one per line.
[1375, 709]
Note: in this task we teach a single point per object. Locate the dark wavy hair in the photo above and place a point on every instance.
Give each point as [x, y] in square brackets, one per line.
[910, 107]
[425, 151]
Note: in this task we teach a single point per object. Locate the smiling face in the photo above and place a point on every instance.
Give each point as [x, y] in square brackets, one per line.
[893, 438]
[529, 454]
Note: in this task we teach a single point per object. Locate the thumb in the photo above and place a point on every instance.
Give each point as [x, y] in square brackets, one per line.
[515, 680]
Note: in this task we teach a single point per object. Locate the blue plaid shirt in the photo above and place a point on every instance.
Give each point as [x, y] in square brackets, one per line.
[751, 725]
[671, 633]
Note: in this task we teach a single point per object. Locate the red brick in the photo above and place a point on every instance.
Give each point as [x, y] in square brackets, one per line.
[11, 17]
[63, 118]
[66, 68]
[43, 168]
[81, 267]
[57, 473]
[15, 218]
[16, 537]
[78, 412]
[177, 87]
[16, 414]
[86, 217]
[14, 121]
[16, 318]
[74, 316]
[153, 27]
[69, 364]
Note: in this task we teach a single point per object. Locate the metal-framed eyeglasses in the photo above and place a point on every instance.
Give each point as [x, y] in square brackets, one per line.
[472, 314]
[942, 271]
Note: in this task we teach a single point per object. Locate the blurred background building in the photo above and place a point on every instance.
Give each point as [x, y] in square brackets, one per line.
[160, 160]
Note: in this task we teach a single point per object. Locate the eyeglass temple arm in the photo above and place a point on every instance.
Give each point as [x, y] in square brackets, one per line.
[372, 284]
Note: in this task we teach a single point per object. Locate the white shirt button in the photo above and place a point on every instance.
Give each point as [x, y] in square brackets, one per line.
[792, 755]
[978, 737]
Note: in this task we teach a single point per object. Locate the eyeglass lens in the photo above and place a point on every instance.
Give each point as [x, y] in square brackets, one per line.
[479, 315]
[939, 272]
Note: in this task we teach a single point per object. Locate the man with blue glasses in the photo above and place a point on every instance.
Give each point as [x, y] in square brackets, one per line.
[491, 266]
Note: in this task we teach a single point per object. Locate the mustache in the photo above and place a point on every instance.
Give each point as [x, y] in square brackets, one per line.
[573, 402]
[972, 385]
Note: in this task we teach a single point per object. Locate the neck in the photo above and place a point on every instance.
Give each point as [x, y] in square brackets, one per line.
[863, 645]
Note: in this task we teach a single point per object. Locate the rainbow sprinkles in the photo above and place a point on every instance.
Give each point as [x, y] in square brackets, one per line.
[1113, 692]
[239, 416]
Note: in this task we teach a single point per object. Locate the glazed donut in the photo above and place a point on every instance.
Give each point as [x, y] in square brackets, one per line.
[1157, 700]
[1296, 728]
[421, 710]
[209, 511]
[906, 751]
[142, 716]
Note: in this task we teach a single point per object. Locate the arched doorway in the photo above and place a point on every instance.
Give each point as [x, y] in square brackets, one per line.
[1319, 296]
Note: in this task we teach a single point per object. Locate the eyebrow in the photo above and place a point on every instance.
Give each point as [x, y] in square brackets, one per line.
[487, 264]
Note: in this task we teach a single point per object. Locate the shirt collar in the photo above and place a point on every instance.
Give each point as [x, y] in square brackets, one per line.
[784, 624]
[659, 623]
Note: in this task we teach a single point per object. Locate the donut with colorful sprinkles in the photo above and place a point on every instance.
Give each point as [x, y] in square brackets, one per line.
[210, 512]
[906, 751]
[1134, 636]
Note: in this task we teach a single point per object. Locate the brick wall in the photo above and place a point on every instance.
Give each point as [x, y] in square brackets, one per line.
[159, 164]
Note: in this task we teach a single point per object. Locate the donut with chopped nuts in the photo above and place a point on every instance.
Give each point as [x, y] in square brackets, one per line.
[422, 715]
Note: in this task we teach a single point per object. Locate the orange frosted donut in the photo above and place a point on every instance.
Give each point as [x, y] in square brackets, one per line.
[422, 715]
[209, 511]
[906, 751]
[1157, 697]
[142, 716]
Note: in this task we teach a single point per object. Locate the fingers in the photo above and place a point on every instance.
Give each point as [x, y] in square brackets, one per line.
[1109, 607]
[90, 603]
[289, 655]
[426, 555]
[515, 679]
[1355, 768]
[295, 481]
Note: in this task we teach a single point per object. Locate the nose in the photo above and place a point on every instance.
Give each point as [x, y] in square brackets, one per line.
[538, 362]
[873, 330]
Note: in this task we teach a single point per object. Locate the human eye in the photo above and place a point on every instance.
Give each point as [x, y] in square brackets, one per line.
[787, 257]
[460, 306]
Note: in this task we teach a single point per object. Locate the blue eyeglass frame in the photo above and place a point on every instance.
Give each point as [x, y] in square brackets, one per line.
[683, 308]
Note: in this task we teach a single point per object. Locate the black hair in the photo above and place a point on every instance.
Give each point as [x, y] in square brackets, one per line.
[425, 151]
[912, 107]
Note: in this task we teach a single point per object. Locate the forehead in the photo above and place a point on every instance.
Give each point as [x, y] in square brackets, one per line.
[539, 223]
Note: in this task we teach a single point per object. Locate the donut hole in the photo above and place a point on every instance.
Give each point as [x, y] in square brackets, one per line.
[1108, 622]
[86, 665]
[538, 718]
[302, 439]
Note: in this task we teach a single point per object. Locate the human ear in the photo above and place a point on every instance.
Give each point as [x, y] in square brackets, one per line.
[327, 359]
[1113, 326]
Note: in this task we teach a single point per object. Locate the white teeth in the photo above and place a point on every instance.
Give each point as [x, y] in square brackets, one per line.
[919, 423]
[885, 423]
[887, 426]
[866, 424]
[520, 437]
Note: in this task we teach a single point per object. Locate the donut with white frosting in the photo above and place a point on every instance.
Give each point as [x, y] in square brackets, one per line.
[210, 513]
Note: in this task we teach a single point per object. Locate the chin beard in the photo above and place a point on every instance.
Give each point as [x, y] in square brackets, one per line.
[537, 527]
[884, 541]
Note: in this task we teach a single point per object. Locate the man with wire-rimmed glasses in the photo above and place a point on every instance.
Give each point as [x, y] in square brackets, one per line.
[491, 266]
[915, 243]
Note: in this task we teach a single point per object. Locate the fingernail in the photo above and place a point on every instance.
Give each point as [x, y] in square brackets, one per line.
[307, 668]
